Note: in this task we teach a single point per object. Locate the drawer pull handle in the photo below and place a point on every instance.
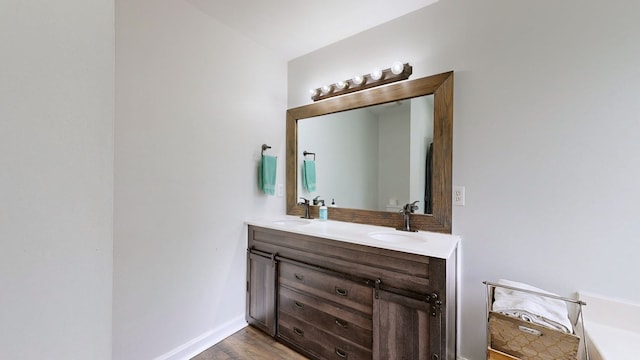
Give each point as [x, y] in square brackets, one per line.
[341, 292]
[530, 331]
[298, 331]
[298, 305]
[341, 323]
[341, 353]
[299, 277]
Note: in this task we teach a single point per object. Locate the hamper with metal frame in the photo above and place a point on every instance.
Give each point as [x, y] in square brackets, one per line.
[514, 338]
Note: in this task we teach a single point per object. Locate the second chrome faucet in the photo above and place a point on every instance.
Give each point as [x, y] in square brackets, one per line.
[305, 203]
[407, 209]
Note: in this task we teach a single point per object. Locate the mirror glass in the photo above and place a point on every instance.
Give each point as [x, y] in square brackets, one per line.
[367, 169]
[373, 158]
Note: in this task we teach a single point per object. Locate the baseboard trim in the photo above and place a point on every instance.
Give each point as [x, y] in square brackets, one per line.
[206, 340]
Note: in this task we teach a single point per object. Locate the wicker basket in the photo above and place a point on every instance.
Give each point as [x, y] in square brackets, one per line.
[525, 340]
[528, 341]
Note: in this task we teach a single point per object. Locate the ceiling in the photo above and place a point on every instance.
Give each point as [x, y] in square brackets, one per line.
[293, 28]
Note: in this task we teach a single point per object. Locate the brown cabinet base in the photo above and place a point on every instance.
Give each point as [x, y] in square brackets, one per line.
[402, 328]
[261, 293]
[337, 300]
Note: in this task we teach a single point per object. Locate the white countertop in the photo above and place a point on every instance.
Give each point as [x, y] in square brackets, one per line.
[421, 243]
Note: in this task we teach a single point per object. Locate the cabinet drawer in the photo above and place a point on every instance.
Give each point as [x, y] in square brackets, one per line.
[318, 342]
[397, 269]
[332, 319]
[329, 287]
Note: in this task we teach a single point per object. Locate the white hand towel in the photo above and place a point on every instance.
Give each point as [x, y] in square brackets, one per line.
[538, 309]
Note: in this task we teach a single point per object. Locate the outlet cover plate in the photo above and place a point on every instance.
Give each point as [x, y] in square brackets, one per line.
[458, 195]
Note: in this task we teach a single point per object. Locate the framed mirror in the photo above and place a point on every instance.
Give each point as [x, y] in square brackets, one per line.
[436, 90]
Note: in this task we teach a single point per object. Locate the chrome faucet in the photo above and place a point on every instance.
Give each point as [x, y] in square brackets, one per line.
[305, 203]
[406, 210]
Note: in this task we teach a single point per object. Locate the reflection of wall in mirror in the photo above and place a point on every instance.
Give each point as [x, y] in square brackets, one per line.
[393, 156]
[372, 158]
[346, 158]
[405, 134]
[421, 136]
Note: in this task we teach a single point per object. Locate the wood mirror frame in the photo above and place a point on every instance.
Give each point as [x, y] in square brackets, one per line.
[441, 86]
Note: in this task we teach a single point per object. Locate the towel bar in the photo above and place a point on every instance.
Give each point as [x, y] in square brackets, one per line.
[264, 147]
[305, 153]
[579, 302]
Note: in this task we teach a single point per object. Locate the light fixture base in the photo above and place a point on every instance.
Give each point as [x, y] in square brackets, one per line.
[387, 77]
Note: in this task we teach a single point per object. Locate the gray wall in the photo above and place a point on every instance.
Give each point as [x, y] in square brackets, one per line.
[194, 102]
[56, 179]
[546, 129]
[339, 151]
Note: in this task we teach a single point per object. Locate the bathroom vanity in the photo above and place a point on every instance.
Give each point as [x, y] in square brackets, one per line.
[357, 288]
[337, 290]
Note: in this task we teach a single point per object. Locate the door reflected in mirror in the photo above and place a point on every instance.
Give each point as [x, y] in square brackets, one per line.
[373, 158]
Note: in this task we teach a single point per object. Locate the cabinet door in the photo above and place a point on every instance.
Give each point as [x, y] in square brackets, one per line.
[261, 292]
[402, 328]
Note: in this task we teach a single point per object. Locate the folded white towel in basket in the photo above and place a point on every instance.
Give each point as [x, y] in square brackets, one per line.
[537, 309]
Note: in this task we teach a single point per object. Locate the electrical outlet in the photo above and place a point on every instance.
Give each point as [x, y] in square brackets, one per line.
[458, 195]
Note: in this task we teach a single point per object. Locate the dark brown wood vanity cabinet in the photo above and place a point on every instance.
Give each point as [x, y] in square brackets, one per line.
[336, 300]
[261, 292]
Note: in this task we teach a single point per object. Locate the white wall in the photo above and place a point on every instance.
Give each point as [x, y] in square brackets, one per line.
[56, 179]
[546, 129]
[345, 160]
[393, 153]
[194, 103]
[421, 138]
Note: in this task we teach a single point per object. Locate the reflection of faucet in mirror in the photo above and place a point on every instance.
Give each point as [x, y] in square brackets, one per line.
[406, 210]
[305, 203]
[316, 200]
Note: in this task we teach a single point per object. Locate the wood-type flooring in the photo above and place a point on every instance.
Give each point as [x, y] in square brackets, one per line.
[249, 344]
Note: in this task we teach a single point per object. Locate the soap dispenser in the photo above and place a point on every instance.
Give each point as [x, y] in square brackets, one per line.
[323, 212]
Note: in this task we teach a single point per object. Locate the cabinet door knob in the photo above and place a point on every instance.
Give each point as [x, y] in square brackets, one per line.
[299, 277]
[298, 305]
[341, 292]
[298, 331]
[341, 353]
[341, 323]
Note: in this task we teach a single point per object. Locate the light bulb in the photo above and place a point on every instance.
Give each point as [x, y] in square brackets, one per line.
[313, 92]
[341, 85]
[397, 68]
[358, 79]
[376, 74]
[326, 89]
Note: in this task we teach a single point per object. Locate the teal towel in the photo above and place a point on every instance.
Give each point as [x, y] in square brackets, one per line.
[267, 174]
[309, 175]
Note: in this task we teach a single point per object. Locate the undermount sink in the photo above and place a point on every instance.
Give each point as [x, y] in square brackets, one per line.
[394, 237]
[291, 222]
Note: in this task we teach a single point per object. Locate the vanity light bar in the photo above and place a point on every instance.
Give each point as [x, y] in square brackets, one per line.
[398, 71]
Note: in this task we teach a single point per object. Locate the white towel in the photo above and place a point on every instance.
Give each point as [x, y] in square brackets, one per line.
[534, 308]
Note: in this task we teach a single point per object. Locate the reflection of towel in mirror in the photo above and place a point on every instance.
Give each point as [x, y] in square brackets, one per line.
[309, 175]
[267, 174]
[538, 309]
